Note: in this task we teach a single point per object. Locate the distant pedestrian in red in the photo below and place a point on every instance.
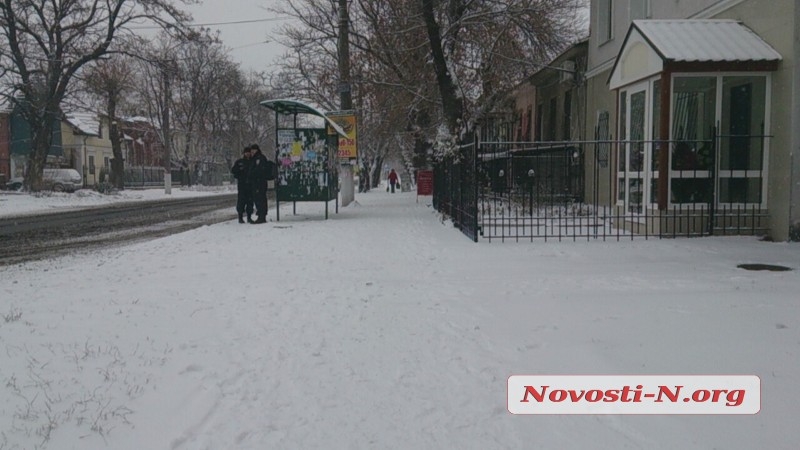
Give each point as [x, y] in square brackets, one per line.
[392, 179]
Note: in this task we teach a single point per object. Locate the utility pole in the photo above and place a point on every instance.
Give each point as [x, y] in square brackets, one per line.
[345, 96]
[166, 131]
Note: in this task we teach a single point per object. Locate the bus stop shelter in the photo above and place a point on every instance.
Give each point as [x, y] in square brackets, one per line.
[305, 156]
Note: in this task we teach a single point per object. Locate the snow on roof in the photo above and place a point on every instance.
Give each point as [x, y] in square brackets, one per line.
[85, 123]
[705, 40]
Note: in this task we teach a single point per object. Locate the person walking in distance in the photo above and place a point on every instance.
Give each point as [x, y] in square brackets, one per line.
[393, 179]
[259, 173]
[244, 198]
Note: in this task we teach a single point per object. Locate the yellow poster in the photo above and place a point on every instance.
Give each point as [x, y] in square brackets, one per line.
[348, 148]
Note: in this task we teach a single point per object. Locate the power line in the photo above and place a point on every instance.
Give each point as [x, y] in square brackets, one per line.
[235, 22]
[252, 45]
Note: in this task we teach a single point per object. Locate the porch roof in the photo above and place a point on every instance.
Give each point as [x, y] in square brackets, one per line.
[686, 41]
[705, 40]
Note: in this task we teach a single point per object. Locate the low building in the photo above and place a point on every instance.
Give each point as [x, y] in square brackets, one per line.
[87, 147]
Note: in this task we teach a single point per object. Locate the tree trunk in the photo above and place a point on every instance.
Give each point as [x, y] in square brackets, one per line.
[41, 141]
[376, 171]
[452, 106]
[117, 162]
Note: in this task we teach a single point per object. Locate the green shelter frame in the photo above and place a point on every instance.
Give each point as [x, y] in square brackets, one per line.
[305, 157]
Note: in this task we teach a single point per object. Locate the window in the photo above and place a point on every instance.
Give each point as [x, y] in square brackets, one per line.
[539, 116]
[656, 136]
[639, 9]
[551, 120]
[529, 124]
[567, 127]
[726, 116]
[694, 102]
[604, 13]
[621, 149]
[741, 149]
[106, 162]
[603, 134]
[91, 165]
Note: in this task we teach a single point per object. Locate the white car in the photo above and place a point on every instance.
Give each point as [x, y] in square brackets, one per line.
[14, 183]
[59, 180]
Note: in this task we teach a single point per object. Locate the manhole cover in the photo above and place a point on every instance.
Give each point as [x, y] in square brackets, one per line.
[770, 267]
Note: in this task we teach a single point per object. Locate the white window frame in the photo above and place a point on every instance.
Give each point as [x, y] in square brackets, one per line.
[647, 163]
[609, 12]
[718, 117]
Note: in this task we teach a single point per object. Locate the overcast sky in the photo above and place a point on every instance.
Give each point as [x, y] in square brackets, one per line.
[246, 40]
[247, 28]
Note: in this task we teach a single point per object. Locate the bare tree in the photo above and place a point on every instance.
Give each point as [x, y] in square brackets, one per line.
[109, 80]
[49, 42]
[309, 71]
[482, 49]
[234, 117]
[201, 66]
[444, 63]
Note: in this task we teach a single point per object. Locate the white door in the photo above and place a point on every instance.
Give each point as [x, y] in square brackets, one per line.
[633, 185]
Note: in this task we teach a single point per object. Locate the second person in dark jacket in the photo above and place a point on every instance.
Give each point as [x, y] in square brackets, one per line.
[244, 199]
[259, 173]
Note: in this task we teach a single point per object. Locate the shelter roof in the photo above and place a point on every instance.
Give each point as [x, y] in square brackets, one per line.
[287, 107]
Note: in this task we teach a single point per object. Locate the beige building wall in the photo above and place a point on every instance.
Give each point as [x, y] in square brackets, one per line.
[774, 22]
[599, 178]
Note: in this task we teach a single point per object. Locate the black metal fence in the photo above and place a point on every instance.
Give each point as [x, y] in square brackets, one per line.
[455, 191]
[148, 176]
[604, 189]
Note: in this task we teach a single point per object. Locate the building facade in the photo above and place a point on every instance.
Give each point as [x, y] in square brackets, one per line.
[701, 98]
[87, 147]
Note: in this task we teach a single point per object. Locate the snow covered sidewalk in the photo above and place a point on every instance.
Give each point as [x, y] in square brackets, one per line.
[384, 328]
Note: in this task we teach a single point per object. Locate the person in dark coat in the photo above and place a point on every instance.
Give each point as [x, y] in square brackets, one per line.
[244, 199]
[259, 173]
[393, 179]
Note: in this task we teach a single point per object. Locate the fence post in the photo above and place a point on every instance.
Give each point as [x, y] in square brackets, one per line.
[714, 178]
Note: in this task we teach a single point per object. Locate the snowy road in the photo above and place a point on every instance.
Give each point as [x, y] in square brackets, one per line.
[384, 328]
[34, 236]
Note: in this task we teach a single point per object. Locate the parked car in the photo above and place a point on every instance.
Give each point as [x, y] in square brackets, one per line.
[59, 180]
[14, 183]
